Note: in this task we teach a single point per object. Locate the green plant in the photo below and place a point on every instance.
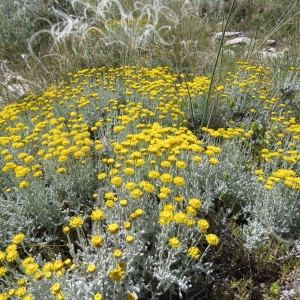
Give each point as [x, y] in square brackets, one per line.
[275, 290]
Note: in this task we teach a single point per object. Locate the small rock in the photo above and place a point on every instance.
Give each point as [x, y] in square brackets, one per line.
[271, 42]
[228, 34]
[238, 41]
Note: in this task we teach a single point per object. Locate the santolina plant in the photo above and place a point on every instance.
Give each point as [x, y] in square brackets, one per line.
[105, 172]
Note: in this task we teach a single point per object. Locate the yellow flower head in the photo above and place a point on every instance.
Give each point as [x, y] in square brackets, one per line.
[153, 174]
[180, 217]
[203, 225]
[97, 241]
[124, 203]
[91, 268]
[56, 287]
[116, 181]
[3, 271]
[97, 215]
[166, 178]
[129, 239]
[66, 229]
[101, 176]
[118, 253]
[19, 238]
[113, 228]
[136, 193]
[76, 222]
[212, 239]
[194, 252]
[179, 198]
[12, 255]
[127, 225]
[116, 274]
[195, 203]
[174, 242]
[179, 181]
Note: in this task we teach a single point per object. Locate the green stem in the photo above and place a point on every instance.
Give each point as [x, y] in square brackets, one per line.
[215, 66]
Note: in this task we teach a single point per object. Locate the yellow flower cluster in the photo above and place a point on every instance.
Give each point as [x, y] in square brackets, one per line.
[138, 148]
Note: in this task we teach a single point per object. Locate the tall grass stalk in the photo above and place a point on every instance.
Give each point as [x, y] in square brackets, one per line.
[215, 67]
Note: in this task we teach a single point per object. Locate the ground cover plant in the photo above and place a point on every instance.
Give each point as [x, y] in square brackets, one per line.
[148, 171]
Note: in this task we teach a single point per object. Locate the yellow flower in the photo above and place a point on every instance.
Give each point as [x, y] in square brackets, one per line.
[19, 238]
[58, 265]
[133, 216]
[110, 161]
[153, 174]
[113, 228]
[76, 222]
[21, 291]
[203, 225]
[212, 239]
[195, 203]
[119, 128]
[166, 178]
[139, 212]
[61, 170]
[12, 247]
[129, 239]
[2, 256]
[130, 186]
[214, 161]
[191, 211]
[166, 217]
[259, 172]
[116, 181]
[24, 184]
[194, 252]
[147, 186]
[97, 215]
[31, 269]
[165, 164]
[116, 274]
[209, 152]
[124, 203]
[129, 171]
[174, 242]
[91, 268]
[27, 261]
[39, 276]
[3, 271]
[179, 181]
[136, 193]
[181, 164]
[127, 225]
[21, 171]
[109, 203]
[139, 162]
[180, 217]
[109, 195]
[56, 287]
[132, 296]
[62, 158]
[97, 241]
[98, 296]
[118, 253]
[12, 255]
[179, 198]
[101, 176]
[66, 229]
